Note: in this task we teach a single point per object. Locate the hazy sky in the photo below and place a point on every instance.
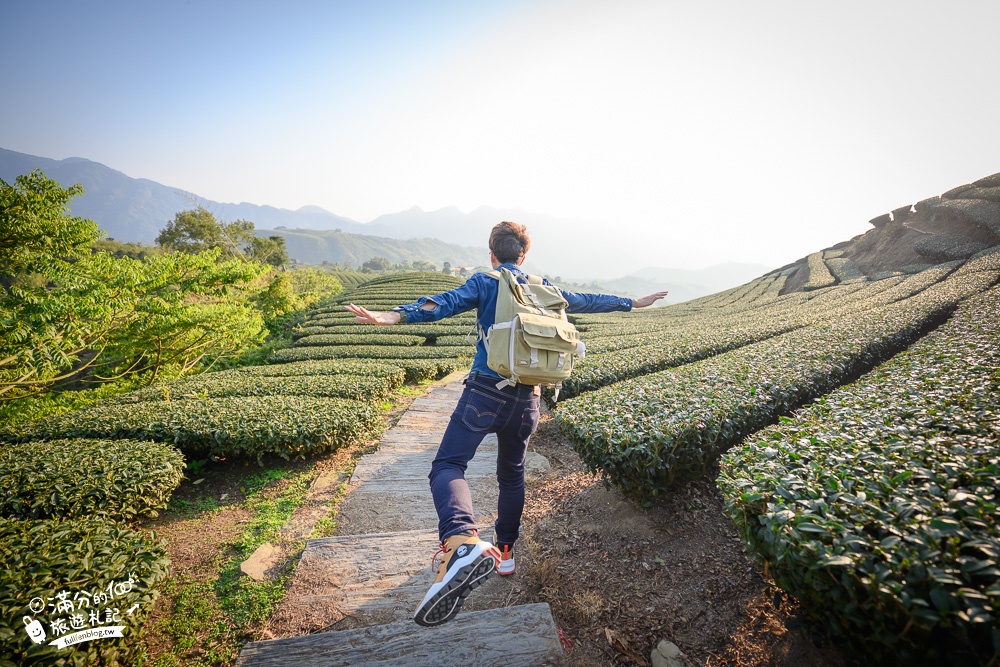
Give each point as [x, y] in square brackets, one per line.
[705, 131]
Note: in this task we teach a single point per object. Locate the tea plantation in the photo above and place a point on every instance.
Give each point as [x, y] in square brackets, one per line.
[857, 429]
[850, 417]
[71, 485]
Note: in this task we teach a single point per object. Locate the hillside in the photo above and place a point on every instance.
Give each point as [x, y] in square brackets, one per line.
[951, 226]
[136, 209]
[797, 472]
[311, 246]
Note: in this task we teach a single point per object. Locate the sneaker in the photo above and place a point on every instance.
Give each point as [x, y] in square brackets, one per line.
[506, 565]
[467, 562]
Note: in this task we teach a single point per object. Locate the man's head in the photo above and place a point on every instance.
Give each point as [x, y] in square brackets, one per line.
[509, 242]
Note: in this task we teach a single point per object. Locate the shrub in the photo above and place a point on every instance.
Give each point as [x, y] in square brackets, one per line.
[388, 369]
[94, 569]
[433, 369]
[395, 339]
[385, 352]
[368, 387]
[947, 247]
[819, 273]
[120, 480]
[291, 427]
[647, 433]
[877, 506]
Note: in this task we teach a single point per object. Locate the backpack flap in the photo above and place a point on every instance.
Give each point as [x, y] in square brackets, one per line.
[548, 333]
[534, 293]
[547, 297]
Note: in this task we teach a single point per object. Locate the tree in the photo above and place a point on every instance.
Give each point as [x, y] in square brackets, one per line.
[37, 235]
[49, 312]
[65, 309]
[376, 264]
[197, 230]
[271, 250]
[446, 268]
[189, 310]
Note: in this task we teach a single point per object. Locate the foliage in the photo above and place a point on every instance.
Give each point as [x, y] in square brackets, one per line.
[187, 309]
[291, 427]
[100, 566]
[394, 339]
[819, 273]
[649, 433]
[131, 249]
[236, 382]
[49, 308]
[67, 310]
[386, 352]
[197, 230]
[877, 506]
[119, 480]
[311, 285]
[390, 370]
[37, 235]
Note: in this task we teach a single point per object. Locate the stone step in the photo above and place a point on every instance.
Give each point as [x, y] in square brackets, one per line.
[372, 579]
[520, 636]
[370, 508]
[386, 466]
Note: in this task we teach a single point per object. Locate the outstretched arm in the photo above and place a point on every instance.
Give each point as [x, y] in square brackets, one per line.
[649, 299]
[365, 316]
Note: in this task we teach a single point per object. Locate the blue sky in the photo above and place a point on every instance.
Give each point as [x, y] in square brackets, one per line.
[698, 132]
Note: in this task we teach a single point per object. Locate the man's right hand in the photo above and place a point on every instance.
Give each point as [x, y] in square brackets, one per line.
[365, 316]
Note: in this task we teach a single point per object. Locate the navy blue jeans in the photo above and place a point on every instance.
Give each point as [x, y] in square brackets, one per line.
[511, 413]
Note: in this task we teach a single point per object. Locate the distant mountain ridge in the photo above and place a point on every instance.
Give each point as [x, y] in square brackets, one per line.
[136, 209]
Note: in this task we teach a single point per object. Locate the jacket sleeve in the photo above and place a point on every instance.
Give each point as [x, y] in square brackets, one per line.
[459, 300]
[595, 303]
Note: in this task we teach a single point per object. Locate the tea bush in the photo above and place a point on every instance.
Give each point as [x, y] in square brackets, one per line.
[877, 507]
[370, 387]
[649, 432]
[119, 480]
[819, 273]
[291, 427]
[384, 352]
[72, 575]
[392, 372]
[394, 339]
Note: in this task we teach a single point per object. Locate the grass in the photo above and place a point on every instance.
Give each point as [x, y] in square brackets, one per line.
[212, 614]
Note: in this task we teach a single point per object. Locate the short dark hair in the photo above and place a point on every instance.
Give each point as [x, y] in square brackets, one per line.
[508, 241]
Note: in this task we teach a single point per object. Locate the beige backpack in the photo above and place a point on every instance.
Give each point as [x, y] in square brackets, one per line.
[531, 341]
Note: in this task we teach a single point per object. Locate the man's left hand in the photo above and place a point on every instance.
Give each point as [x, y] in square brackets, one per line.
[649, 299]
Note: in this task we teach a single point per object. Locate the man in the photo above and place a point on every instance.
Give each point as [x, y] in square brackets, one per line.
[509, 411]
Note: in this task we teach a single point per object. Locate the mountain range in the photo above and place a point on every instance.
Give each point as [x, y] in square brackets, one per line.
[137, 209]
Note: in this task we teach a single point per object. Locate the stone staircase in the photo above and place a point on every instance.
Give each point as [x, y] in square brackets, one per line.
[368, 579]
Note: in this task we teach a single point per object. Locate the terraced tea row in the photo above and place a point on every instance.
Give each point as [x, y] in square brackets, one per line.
[67, 483]
[623, 349]
[331, 332]
[877, 506]
[646, 433]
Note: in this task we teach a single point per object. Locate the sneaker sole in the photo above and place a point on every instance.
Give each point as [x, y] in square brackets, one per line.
[445, 604]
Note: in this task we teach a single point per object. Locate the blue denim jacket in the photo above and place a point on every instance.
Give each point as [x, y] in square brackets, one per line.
[480, 292]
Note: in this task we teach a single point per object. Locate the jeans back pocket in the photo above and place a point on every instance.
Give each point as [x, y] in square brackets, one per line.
[481, 411]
